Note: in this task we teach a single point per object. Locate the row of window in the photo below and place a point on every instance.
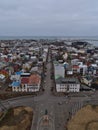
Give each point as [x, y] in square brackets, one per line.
[64, 87]
[25, 90]
[71, 85]
[68, 89]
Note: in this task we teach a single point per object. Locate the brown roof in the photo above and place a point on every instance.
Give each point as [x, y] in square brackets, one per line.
[34, 79]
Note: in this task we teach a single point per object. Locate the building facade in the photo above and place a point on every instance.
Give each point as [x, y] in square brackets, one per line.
[67, 85]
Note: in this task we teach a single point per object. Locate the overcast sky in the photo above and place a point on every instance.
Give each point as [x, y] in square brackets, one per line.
[48, 17]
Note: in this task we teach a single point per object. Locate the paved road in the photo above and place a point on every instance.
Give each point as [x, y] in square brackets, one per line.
[59, 108]
[46, 103]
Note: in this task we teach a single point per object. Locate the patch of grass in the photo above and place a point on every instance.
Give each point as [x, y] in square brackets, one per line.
[17, 118]
[85, 119]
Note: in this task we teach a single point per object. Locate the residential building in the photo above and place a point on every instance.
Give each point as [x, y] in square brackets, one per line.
[28, 83]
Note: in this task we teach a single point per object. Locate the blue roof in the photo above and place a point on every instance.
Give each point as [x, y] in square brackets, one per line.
[19, 73]
[15, 84]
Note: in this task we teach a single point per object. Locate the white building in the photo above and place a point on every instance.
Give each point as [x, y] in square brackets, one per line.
[67, 85]
[28, 83]
[74, 61]
[59, 70]
[83, 69]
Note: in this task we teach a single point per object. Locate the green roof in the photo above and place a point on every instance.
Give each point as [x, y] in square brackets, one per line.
[57, 76]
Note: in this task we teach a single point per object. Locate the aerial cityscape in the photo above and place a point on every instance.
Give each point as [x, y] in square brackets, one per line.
[48, 65]
[47, 82]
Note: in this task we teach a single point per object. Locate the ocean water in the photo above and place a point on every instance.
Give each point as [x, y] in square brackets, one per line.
[91, 39]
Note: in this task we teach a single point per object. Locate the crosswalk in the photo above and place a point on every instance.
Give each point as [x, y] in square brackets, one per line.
[76, 106]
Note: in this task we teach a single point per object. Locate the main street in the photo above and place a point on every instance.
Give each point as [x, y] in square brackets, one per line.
[58, 108]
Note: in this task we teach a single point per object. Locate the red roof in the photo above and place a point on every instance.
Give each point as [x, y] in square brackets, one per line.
[75, 67]
[4, 72]
[24, 80]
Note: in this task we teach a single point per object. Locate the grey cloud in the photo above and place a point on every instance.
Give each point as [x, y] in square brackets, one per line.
[51, 17]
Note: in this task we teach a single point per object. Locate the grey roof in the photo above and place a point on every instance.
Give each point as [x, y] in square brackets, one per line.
[69, 80]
